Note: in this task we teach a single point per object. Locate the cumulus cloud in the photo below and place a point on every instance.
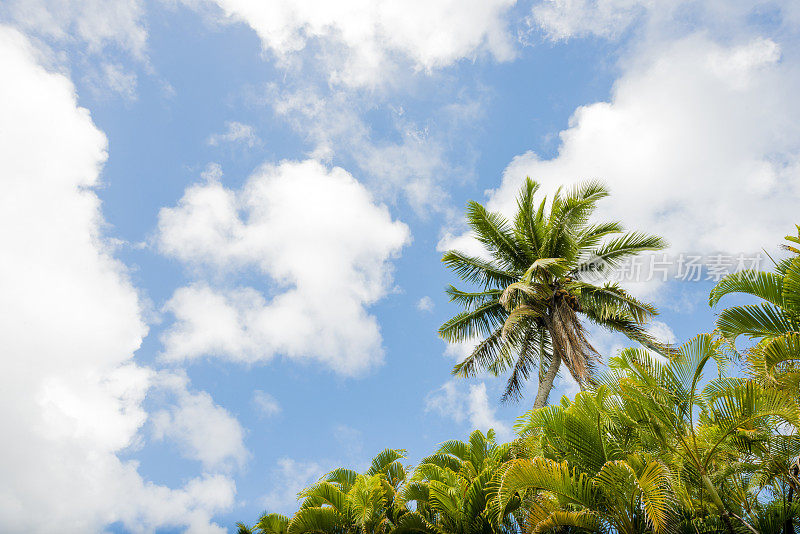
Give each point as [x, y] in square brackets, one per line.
[362, 41]
[662, 331]
[699, 142]
[469, 406]
[236, 132]
[460, 349]
[202, 430]
[318, 237]
[70, 321]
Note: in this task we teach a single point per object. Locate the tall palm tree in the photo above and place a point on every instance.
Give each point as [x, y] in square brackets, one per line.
[540, 285]
[774, 323]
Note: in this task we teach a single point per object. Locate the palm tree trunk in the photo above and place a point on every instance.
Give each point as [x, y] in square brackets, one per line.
[546, 382]
[723, 510]
[788, 527]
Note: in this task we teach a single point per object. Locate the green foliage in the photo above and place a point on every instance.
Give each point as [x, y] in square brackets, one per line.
[775, 323]
[659, 445]
[655, 444]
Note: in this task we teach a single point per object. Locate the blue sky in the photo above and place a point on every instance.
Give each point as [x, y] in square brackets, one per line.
[223, 221]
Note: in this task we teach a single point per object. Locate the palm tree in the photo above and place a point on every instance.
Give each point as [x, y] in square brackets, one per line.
[539, 286]
[655, 446]
[345, 502]
[267, 524]
[775, 322]
[590, 470]
[453, 489]
[626, 496]
[716, 436]
[600, 461]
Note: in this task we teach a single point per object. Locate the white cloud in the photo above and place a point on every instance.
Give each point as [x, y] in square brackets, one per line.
[481, 414]
[316, 234]
[465, 242]
[460, 349]
[364, 41]
[236, 133]
[413, 160]
[70, 322]
[96, 23]
[699, 142]
[119, 81]
[561, 19]
[425, 304]
[290, 477]
[660, 19]
[265, 403]
[112, 79]
[471, 406]
[662, 331]
[699, 139]
[202, 430]
[564, 384]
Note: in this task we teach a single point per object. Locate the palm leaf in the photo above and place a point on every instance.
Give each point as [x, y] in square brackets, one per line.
[477, 271]
[754, 320]
[764, 285]
[494, 232]
[317, 520]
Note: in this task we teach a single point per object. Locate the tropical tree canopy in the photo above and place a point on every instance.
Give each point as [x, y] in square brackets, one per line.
[658, 445]
[545, 275]
[692, 440]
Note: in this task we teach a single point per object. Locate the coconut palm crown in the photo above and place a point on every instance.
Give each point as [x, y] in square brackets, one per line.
[547, 274]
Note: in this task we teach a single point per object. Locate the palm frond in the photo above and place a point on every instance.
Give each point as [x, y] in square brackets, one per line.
[315, 520]
[548, 475]
[764, 285]
[273, 524]
[480, 322]
[383, 460]
[791, 287]
[615, 251]
[477, 271]
[483, 356]
[754, 320]
[472, 299]
[495, 233]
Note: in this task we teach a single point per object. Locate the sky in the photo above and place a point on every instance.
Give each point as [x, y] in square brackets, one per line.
[222, 222]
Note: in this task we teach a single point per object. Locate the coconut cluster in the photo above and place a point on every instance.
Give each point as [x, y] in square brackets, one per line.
[569, 298]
